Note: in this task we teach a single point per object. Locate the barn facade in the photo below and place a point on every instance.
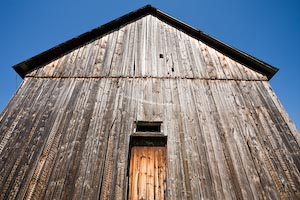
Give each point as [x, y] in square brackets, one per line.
[147, 107]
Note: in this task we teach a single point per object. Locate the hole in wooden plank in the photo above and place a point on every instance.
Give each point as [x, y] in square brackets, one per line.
[161, 55]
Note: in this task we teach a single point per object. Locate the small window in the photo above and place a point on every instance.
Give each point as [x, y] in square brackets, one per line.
[142, 126]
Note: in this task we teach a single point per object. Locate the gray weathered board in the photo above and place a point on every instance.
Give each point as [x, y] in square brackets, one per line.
[65, 133]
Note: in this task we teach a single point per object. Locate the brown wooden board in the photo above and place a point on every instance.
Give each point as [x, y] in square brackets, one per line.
[147, 174]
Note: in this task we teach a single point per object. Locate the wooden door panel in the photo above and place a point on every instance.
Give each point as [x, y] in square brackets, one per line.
[147, 173]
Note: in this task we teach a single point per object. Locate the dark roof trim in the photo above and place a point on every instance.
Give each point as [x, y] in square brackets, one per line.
[253, 63]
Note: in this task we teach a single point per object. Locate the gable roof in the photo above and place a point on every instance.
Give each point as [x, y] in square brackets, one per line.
[45, 57]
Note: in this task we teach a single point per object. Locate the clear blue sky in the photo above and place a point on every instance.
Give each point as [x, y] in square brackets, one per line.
[268, 30]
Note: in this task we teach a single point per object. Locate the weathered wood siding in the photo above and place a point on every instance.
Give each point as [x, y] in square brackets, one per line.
[65, 133]
[134, 51]
[68, 138]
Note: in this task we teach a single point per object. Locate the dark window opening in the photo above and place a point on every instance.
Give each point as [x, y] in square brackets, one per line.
[148, 126]
[161, 55]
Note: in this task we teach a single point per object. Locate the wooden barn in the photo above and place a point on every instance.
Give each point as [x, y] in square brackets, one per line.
[147, 107]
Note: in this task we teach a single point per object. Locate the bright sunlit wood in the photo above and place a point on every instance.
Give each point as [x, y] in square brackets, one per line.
[147, 173]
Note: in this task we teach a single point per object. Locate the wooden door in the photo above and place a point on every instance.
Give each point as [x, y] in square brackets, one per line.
[147, 173]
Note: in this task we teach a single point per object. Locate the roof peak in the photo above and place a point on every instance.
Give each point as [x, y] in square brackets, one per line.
[45, 57]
